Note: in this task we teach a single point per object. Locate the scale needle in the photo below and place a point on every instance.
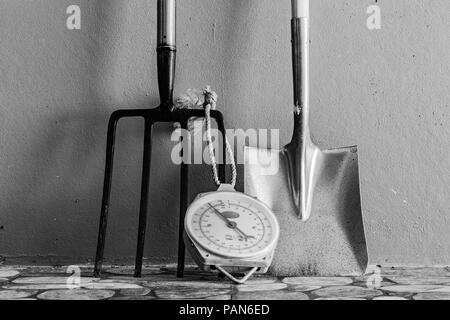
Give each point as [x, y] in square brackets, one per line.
[231, 224]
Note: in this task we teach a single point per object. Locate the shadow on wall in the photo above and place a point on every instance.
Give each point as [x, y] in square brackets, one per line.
[53, 198]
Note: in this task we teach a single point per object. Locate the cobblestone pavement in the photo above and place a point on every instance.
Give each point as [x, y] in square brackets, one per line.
[159, 282]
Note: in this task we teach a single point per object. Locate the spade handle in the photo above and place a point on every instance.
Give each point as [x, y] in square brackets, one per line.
[300, 64]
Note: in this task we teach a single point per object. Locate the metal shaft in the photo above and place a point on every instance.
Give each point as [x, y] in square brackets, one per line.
[300, 8]
[166, 23]
[300, 64]
[166, 52]
[145, 188]
[112, 126]
[302, 153]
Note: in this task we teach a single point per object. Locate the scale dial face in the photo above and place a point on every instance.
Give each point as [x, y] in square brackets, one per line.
[232, 224]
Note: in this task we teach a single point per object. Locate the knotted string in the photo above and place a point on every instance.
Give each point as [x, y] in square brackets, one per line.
[208, 100]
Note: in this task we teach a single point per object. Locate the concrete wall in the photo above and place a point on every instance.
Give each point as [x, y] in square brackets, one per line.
[385, 90]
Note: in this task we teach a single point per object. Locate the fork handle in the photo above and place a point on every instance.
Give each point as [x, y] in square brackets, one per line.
[300, 8]
[166, 51]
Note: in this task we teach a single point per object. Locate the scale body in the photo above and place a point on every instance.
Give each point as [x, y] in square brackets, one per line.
[231, 232]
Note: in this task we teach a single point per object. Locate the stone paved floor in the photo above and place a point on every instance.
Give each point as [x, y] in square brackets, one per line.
[159, 282]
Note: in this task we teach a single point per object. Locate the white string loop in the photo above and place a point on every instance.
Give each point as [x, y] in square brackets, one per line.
[209, 98]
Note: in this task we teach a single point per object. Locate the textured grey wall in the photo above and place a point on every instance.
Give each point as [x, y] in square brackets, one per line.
[385, 90]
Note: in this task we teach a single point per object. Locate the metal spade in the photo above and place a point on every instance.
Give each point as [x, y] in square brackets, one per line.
[314, 193]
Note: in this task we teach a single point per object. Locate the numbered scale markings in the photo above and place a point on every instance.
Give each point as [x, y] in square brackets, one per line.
[231, 224]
